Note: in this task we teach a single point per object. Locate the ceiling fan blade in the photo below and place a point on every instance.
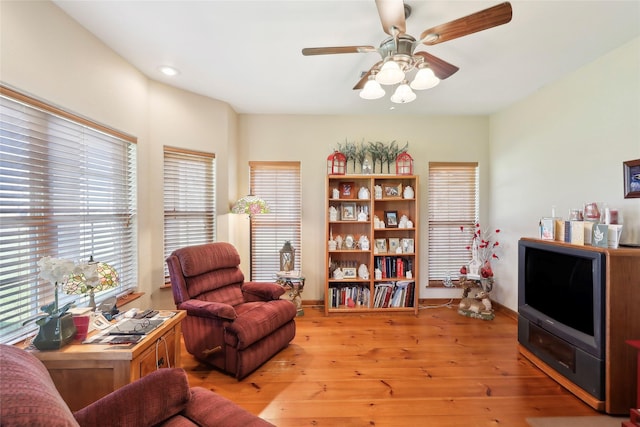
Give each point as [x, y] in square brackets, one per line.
[307, 51]
[362, 81]
[485, 19]
[441, 69]
[365, 77]
[392, 16]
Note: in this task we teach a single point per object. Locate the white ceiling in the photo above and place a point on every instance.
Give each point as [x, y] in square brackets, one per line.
[248, 53]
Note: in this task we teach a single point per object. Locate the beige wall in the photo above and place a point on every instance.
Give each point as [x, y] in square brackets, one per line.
[311, 139]
[528, 154]
[184, 120]
[45, 53]
[564, 146]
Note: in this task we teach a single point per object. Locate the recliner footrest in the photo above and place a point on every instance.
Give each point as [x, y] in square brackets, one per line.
[258, 322]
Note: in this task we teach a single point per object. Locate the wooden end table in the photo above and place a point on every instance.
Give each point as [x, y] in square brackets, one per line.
[83, 373]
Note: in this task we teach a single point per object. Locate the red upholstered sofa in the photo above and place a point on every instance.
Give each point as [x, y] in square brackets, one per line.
[28, 397]
[231, 324]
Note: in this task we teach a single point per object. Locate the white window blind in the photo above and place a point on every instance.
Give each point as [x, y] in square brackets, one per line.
[189, 200]
[67, 190]
[278, 183]
[453, 203]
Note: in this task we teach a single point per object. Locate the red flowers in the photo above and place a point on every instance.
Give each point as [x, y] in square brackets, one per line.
[483, 244]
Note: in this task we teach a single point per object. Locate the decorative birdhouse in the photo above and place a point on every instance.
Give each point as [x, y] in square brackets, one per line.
[336, 163]
[404, 164]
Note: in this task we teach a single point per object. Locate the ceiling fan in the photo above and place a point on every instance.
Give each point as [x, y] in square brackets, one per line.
[398, 51]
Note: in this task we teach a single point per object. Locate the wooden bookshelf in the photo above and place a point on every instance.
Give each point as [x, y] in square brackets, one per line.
[355, 220]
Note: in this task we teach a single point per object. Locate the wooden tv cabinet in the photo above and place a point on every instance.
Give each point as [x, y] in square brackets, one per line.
[622, 323]
[83, 373]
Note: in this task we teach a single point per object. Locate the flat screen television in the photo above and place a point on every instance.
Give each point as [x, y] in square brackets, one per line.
[561, 308]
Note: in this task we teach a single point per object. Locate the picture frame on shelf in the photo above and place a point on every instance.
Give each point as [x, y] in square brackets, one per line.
[348, 212]
[381, 245]
[391, 219]
[407, 246]
[347, 190]
[394, 244]
[631, 170]
[349, 273]
[349, 242]
[392, 191]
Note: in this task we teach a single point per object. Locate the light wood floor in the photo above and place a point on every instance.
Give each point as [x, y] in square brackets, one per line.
[437, 369]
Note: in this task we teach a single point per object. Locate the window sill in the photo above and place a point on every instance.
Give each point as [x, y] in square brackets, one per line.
[439, 284]
[126, 299]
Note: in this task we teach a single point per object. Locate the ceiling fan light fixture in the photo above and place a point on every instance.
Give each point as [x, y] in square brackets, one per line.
[372, 89]
[390, 73]
[424, 79]
[403, 94]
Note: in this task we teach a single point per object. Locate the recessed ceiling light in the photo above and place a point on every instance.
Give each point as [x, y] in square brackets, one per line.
[168, 70]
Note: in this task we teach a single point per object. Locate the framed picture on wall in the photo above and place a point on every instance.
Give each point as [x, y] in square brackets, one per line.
[631, 170]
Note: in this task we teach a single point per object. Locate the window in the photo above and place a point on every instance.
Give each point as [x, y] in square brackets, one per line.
[453, 203]
[278, 183]
[67, 190]
[189, 200]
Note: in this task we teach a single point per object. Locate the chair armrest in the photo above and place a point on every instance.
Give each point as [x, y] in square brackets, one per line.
[145, 402]
[207, 408]
[211, 309]
[261, 291]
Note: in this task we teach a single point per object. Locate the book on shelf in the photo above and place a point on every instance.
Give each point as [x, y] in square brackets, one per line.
[381, 292]
[349, 296]
[393, 266]
[394, 294]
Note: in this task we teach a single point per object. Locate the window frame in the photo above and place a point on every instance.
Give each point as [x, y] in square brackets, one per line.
[451, 222]
[268, 232]
[189, 183]
[68, 191]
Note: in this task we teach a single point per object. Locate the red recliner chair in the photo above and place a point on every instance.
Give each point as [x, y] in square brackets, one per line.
[231, 324]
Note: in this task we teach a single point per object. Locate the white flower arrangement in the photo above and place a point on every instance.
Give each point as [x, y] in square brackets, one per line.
[55, 270]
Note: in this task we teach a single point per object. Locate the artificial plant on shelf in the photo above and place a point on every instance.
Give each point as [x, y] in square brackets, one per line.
[361, 155]
[349, 149]
[56, 325]
[392, 152]
[377, 152]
